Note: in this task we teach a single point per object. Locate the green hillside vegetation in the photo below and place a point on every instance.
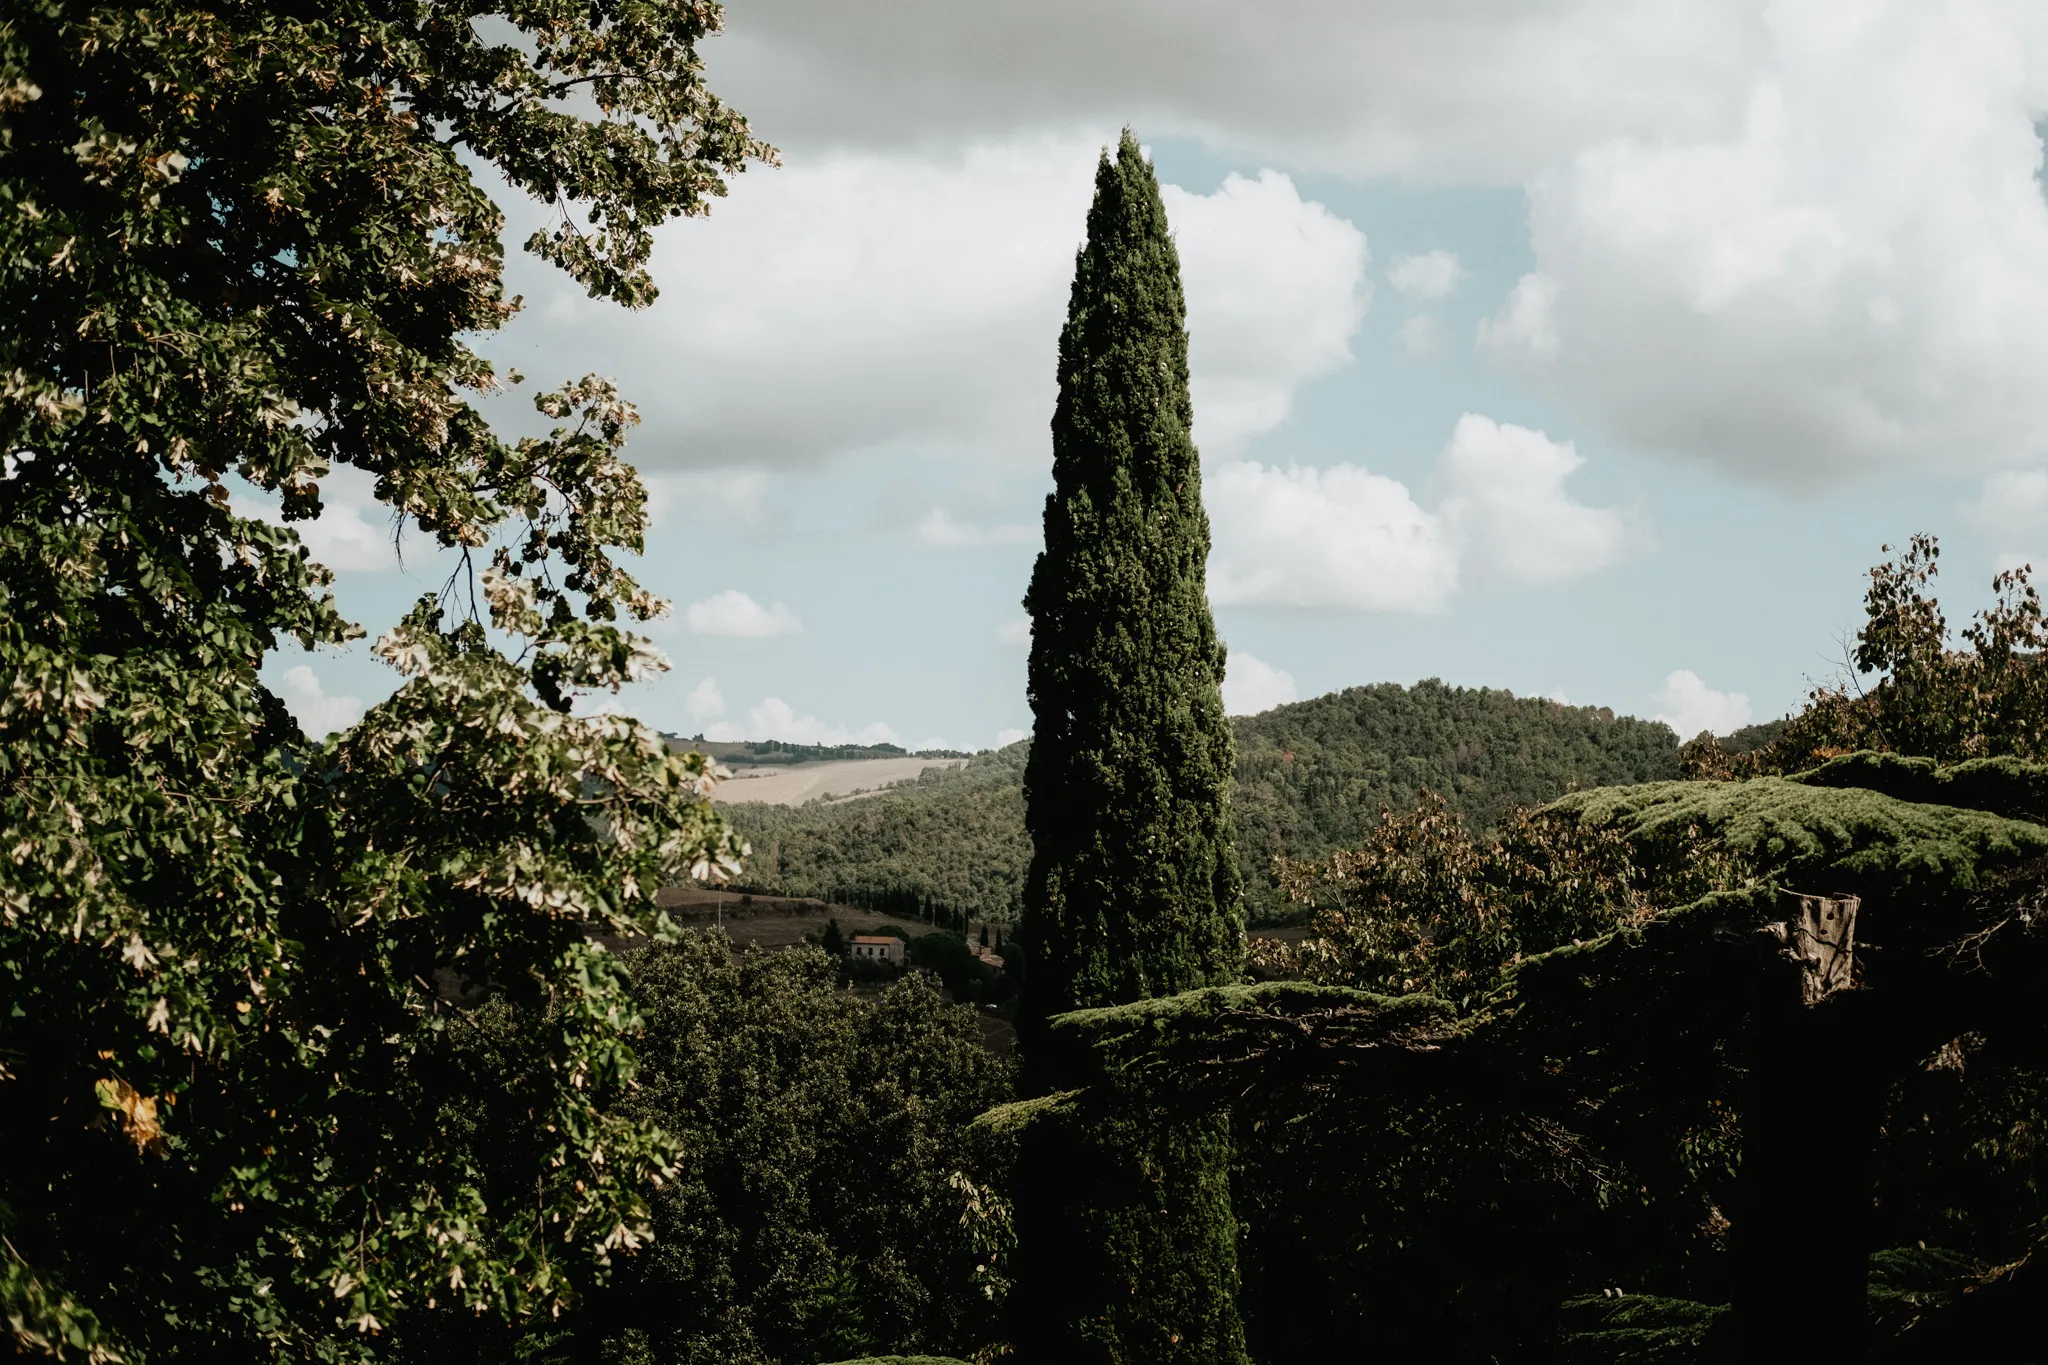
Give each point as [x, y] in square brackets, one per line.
[1310, 778]
[952, 838]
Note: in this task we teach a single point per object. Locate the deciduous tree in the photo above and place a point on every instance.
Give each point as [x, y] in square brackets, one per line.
[245, 240]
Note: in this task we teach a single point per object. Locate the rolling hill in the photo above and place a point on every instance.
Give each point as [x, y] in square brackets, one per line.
[1310, 777]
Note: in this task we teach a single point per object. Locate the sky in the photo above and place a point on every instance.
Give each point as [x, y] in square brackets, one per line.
[1590, 350]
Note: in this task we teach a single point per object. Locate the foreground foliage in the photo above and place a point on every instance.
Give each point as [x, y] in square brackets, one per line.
[1589, 1126]
[828, 1195]
[242, 242]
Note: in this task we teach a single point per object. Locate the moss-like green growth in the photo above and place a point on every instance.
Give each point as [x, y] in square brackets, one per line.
[1853, 838]
[2004, 786]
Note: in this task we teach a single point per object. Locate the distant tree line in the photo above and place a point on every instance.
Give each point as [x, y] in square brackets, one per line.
[783, 751]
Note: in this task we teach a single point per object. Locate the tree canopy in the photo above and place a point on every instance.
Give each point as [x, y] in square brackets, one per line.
[244, 242]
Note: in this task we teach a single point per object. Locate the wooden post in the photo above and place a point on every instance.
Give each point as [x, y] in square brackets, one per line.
[1801, 1235]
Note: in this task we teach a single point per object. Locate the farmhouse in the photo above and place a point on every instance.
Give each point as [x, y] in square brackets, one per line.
[877, 948]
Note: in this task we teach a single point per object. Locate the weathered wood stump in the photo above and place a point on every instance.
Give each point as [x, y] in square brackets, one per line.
[1801, 1235]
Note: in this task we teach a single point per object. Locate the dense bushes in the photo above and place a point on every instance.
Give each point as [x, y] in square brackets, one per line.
[831, 1199]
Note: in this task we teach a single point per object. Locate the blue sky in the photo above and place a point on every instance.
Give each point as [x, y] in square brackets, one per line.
[1580, 350]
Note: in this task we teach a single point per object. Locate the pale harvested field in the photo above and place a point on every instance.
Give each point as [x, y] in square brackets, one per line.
[797, 783]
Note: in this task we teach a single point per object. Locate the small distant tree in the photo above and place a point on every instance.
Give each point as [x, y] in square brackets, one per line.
[1126, 1245]
[833, 941]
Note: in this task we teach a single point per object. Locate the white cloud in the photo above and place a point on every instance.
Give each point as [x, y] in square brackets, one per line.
[319, 714]
[1428, 91]
[734, 613]
[1333, 537]
[941, 528]
[705, 701]
[855, 300]
[775, 718]
[1504, 502]
[1423, 335]
[737, 496]
[1341, 536]
[1005, 738]
[2012, 512]
[1525, 326]
[352, 534]
[1851, 275]
[1688, 706]
[1428, 277]
[1251, 685]
[1276, 286]
[1015, 631]
[1793, 241]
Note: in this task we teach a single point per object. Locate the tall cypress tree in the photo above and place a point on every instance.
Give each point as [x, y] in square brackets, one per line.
[1133, 889]
[1127, 1244]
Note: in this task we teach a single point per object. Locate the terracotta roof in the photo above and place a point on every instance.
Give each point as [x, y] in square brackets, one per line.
[875, 938]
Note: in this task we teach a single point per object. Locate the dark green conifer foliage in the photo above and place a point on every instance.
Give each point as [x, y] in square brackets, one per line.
[1127, 1245]
[1133, 889]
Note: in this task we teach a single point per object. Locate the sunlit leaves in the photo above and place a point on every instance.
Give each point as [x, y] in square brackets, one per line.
[243, 241]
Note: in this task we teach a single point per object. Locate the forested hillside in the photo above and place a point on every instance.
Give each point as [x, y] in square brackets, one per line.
[1310, 778]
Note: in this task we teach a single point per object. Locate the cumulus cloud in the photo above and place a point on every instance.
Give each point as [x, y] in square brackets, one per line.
[1505, 505]
[1005, 738]
[1276, 286]
[775, 718]
[1015, 631]
[1344, 537]
[1688, 706]
[1333, 537]
[1851, 275]
[705, 701]
[857, 300]
[941, 528]
[1792, 241]
[1428, 277]
[318, 712]
[1251, 685]
[734, 613]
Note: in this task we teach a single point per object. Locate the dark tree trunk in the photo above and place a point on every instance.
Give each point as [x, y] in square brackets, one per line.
[1802, 1230]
